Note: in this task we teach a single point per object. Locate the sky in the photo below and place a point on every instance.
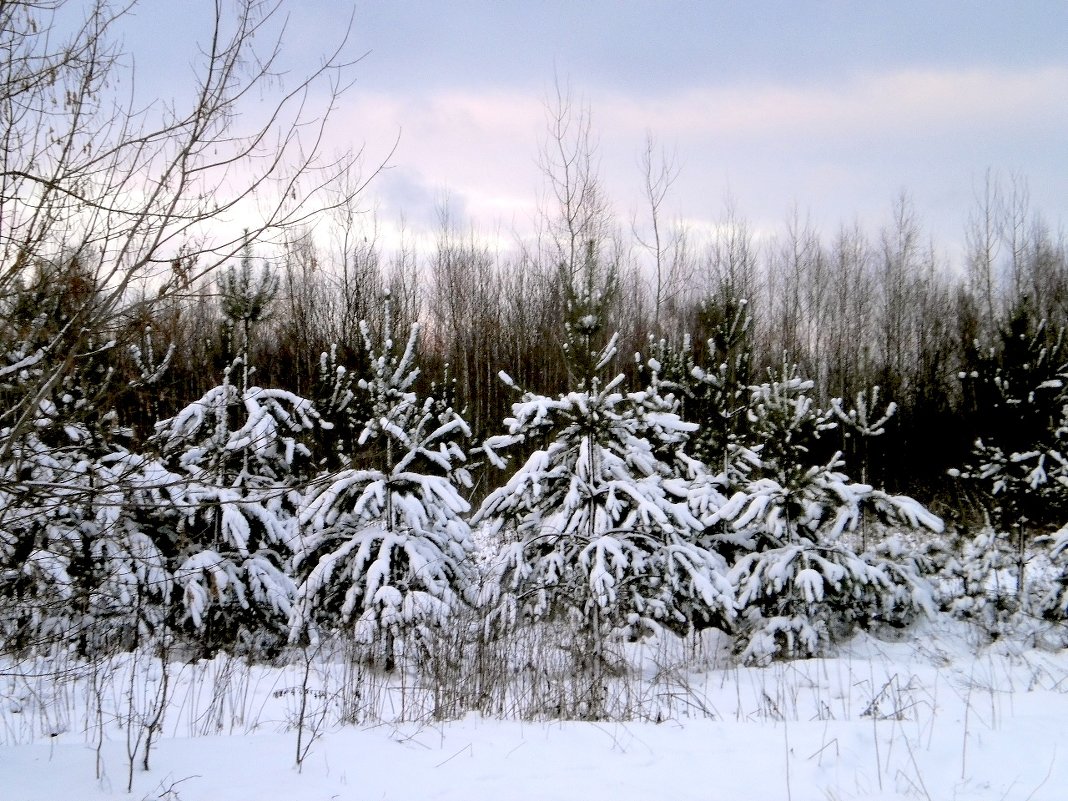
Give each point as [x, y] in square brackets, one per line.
[830, 108]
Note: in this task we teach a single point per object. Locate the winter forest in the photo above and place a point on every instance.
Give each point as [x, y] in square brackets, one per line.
[551, 482]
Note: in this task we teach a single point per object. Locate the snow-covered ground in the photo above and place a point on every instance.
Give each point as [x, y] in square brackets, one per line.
[933, 716]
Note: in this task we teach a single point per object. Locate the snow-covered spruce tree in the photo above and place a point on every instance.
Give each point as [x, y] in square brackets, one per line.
[387, 550]
[240, 454]
[799, 584]
[77, 570]
[674, 384]
[858, 427]
[1019, 464]
[343, 407]
[1053, 603]
[977, 581]
[130, 605]
[594, 528]
[715, 396]
[720, 389]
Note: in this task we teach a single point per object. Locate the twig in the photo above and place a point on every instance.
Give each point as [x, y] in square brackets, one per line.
[467, 747]
[1049, 772]
[820, 750]
[786, 739]
[915, 767]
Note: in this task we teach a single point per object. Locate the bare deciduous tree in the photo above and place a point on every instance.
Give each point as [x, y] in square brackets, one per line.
[578, 214]
[153, 196]
[665, 244]
[983, 243]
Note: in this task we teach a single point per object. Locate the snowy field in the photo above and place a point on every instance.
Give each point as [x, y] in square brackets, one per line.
[936, 716]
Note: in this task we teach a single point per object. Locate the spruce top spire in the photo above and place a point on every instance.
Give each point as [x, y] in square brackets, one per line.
[588, 294]
[244, 296]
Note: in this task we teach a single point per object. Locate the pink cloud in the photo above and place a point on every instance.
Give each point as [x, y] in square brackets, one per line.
[848, 145]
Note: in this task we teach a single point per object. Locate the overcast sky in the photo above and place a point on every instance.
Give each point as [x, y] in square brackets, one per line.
[835, 107]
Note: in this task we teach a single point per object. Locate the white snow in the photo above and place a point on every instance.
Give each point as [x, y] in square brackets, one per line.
[935, 716]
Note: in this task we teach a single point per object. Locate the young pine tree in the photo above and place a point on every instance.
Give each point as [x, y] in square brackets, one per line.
[78, 568]
[387, 549]
[242, 463]
[594, 528]
[800, 584]
[1019, 463]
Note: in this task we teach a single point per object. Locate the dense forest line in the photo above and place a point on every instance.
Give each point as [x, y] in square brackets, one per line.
[853, 313]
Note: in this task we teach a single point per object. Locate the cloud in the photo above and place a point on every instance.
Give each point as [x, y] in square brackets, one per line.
[405, 191]
[891, 103]
[476, 149]
[847, 146]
